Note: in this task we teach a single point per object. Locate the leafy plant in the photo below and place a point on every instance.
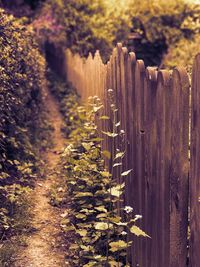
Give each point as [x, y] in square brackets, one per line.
[100, 228]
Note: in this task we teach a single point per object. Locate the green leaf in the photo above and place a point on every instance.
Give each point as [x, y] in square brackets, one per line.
[106, 153]
[117, 190]
[118, 124]
[137, 231]
[80, 216]
[81, 232]
[119, 155]
[87, 146]
[118, 245]
[105, 174]
[101, 215]
[117, 164]
[90, 264]
[83, 194]
[126, 173]
[104, 118]
[101, 208]
[101, 226]
[97, 139]
[110, 134]
[115, 264]
[95, 109]
[74, 246]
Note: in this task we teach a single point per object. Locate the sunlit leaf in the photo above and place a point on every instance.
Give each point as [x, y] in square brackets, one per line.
[105, 174]
[82, 232]
[87, 146]
[137, 231]
[126, 173]
[115, 264]
[117, 190]
[119, 155]
[90, 264]
[118, 124]
[104, 118]
[97, 139]
[95, 109]
[101, 208]
[117, 164]
[110, 134]
[101, 226]
[106, 153]
[84, 194]
[118, 245]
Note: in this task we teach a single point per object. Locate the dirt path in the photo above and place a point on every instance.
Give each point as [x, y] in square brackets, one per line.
[41, 247]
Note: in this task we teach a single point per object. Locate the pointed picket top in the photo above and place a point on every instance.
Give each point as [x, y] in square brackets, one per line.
[114, 52]
[181, 74]
[119, 46]
[90, 57]
[152, 74]
[97, 56]
[164, 77]
[140, 65]
[97, 53]
[132, 56]
[125, 50]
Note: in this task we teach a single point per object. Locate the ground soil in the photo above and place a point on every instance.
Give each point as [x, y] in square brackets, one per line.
[44, 244]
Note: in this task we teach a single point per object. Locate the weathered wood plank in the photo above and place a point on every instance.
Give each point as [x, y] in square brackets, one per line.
[179, 168]
[160, 232]
[195, 167]
[138, 157]
[150, 86]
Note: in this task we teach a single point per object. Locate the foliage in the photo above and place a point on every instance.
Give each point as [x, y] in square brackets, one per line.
[83, 26]
[102, 229]
[161, 26]
[22, 75]
[182, 53]
[68, 98]
[151, 28]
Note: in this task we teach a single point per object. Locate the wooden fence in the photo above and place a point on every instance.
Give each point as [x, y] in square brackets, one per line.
[154, 110]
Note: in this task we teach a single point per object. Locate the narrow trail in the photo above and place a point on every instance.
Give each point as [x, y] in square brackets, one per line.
[41, 247]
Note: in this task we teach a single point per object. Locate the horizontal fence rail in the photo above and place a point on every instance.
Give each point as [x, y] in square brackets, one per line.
[154, 111]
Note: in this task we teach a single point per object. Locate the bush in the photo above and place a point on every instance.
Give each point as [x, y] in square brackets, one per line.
[22, 75]
[83, 26]
[161, 26]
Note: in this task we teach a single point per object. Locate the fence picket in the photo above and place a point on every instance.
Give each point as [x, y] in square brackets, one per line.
[150, 154]
[195, 167]
[179, 169]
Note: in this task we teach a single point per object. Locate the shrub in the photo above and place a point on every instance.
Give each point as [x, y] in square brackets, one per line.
[22, 75]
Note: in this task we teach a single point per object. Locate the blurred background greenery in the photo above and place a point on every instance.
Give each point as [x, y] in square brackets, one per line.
[162, 33]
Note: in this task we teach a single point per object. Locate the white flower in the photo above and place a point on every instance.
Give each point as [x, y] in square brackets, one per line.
[124, 233]
[110, 90]
[122, 132]
[128, 209]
